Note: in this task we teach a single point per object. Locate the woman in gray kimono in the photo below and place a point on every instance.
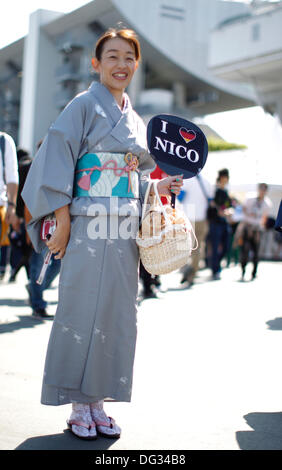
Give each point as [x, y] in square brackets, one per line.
[92, 172]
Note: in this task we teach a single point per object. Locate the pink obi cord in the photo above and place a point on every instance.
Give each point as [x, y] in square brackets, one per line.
[132, 164]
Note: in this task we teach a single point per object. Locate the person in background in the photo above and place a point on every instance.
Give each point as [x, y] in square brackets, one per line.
[278, 221]
[255, 212]
[219, 228]
[234, 217]
[35, 290]
[20, 249]
[195, 198]
[4, 257]
[9, 180]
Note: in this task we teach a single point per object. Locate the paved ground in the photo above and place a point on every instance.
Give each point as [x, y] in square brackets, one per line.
[207, 370]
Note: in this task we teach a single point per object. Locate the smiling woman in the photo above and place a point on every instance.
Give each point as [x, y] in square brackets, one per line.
[98, 148]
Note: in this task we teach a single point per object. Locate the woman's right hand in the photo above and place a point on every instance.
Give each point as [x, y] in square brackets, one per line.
[169, 185]
[57, 244]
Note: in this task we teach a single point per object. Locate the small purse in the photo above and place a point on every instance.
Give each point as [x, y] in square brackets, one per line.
[48, 227]
[165, 236]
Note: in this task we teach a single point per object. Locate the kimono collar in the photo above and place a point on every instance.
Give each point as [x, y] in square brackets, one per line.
[125, 128]
[105, 97]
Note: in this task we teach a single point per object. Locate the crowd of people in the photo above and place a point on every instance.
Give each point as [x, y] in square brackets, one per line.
[226, 229]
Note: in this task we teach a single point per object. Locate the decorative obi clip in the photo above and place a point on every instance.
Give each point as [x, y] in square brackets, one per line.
[132, 165]
[84, 182]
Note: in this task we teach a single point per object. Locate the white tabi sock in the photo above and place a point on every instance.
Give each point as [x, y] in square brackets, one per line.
[81, 412]
[98, 414]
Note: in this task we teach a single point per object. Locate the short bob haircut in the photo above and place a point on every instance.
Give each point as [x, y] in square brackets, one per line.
[127, 34]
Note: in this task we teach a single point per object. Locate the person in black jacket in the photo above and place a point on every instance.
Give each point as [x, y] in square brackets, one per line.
[22, 252]
[35, 290]
[20, 249]
[219, 229]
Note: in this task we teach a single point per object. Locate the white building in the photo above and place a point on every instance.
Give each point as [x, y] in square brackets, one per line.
[255, 58]
[40, 73]
[259, 61]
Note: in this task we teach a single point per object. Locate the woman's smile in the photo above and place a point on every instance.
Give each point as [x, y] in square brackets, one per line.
[120, 75]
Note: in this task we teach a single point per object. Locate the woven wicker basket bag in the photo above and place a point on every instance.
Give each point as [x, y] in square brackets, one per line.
[165, 236]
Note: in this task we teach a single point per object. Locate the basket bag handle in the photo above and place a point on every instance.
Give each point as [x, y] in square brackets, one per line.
[154, 184]
[167, 219]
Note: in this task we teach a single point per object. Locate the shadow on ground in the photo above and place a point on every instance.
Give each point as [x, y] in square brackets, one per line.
[266, 434]
[185, 286]
[65, 441]
[14, 302]
[21, 302]
[24, 321]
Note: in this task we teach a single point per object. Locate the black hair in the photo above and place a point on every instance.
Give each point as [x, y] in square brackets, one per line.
[21, 153]
[223, 172]
[263, 186]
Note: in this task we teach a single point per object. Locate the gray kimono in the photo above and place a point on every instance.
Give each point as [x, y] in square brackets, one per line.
[83, 162]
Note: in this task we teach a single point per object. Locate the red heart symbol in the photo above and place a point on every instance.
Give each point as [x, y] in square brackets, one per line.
[188, 136]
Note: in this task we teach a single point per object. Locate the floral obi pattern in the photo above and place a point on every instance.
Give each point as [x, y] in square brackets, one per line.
[106, 175]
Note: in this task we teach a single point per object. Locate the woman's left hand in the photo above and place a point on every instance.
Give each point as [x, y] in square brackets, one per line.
[170, 185]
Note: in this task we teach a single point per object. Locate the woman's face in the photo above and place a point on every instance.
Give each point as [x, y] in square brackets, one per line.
[117, 64]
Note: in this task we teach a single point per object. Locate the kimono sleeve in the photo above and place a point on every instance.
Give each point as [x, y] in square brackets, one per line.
[49, 184]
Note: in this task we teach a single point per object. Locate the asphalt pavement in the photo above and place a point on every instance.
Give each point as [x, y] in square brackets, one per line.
[207, 373]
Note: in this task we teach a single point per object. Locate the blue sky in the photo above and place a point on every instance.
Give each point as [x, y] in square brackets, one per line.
[15, 15]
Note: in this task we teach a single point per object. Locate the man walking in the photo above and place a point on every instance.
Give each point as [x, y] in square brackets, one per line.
[256, 210]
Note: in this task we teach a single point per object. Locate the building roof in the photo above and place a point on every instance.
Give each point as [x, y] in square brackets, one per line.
[205, 93]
